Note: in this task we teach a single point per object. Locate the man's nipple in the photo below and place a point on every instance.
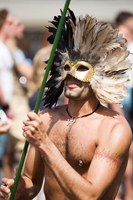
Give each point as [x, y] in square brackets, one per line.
[80, 162]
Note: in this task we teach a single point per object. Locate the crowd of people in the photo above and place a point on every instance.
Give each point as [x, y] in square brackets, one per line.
[68, 165]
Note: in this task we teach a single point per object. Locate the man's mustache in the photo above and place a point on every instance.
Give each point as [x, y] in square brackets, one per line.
[71, 78]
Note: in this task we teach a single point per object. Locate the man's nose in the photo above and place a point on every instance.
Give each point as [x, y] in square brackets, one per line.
[68, 77]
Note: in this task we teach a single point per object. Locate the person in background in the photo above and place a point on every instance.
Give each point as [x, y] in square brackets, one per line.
[39, 66]
[124, 22]
[22, 72]
[21, 63]
[7, 29]
[5, 125]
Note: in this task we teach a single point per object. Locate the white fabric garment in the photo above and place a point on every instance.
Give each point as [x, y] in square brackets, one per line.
[6, 77]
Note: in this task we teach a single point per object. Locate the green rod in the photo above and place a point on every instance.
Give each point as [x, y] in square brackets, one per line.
[56, 40]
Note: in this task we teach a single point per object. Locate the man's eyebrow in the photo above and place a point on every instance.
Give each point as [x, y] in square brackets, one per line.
[113, 158]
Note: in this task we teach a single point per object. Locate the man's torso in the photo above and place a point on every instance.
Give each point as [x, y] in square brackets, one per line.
[77, 143]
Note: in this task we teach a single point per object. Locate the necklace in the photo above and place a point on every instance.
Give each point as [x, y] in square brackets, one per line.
[73, 119]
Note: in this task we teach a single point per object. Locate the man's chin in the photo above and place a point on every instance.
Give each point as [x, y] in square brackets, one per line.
[71, 95]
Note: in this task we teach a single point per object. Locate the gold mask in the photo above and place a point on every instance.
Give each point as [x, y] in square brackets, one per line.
[81, 70]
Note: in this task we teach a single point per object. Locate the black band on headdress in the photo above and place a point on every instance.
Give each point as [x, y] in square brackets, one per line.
[55, 84]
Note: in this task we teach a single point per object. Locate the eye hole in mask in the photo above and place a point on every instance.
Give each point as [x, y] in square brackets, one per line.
[67, 68]
[82, 68]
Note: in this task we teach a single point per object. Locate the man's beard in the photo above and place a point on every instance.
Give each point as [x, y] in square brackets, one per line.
[71, 95]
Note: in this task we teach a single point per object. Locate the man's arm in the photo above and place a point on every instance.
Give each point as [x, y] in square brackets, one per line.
[2, 99]
[104, 167]
[31, 180]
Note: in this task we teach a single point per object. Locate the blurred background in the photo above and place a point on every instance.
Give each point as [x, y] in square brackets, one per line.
[35, 14]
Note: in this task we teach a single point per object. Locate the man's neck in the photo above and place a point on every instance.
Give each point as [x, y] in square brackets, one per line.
[78, 108]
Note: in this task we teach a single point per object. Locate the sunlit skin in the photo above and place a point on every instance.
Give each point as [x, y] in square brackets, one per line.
[83, 161]
[75, 89]
[78, 92]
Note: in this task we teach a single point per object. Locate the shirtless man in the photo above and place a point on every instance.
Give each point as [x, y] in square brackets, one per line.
[81, 148]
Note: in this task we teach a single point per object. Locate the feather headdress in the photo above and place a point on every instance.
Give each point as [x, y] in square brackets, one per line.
[95, 42]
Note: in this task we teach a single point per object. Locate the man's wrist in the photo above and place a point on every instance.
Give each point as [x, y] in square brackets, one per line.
[45, 148]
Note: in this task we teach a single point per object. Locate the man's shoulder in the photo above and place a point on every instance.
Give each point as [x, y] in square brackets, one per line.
[57, 111]
[120, 124]
[121, 134]
[115, 133]
[116, 124]
[54, 109]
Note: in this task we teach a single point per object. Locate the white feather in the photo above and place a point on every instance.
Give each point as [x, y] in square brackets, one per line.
[100, 39]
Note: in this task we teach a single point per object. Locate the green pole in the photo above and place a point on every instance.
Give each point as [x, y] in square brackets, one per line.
[40, 94]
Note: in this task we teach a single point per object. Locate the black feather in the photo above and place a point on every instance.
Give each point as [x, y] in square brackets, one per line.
[55, 84]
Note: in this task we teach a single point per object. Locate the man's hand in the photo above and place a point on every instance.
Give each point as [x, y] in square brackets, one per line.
[34, 130]
[5, 189]
[4, 126]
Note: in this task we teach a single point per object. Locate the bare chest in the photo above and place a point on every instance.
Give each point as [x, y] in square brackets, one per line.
[76, 143]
